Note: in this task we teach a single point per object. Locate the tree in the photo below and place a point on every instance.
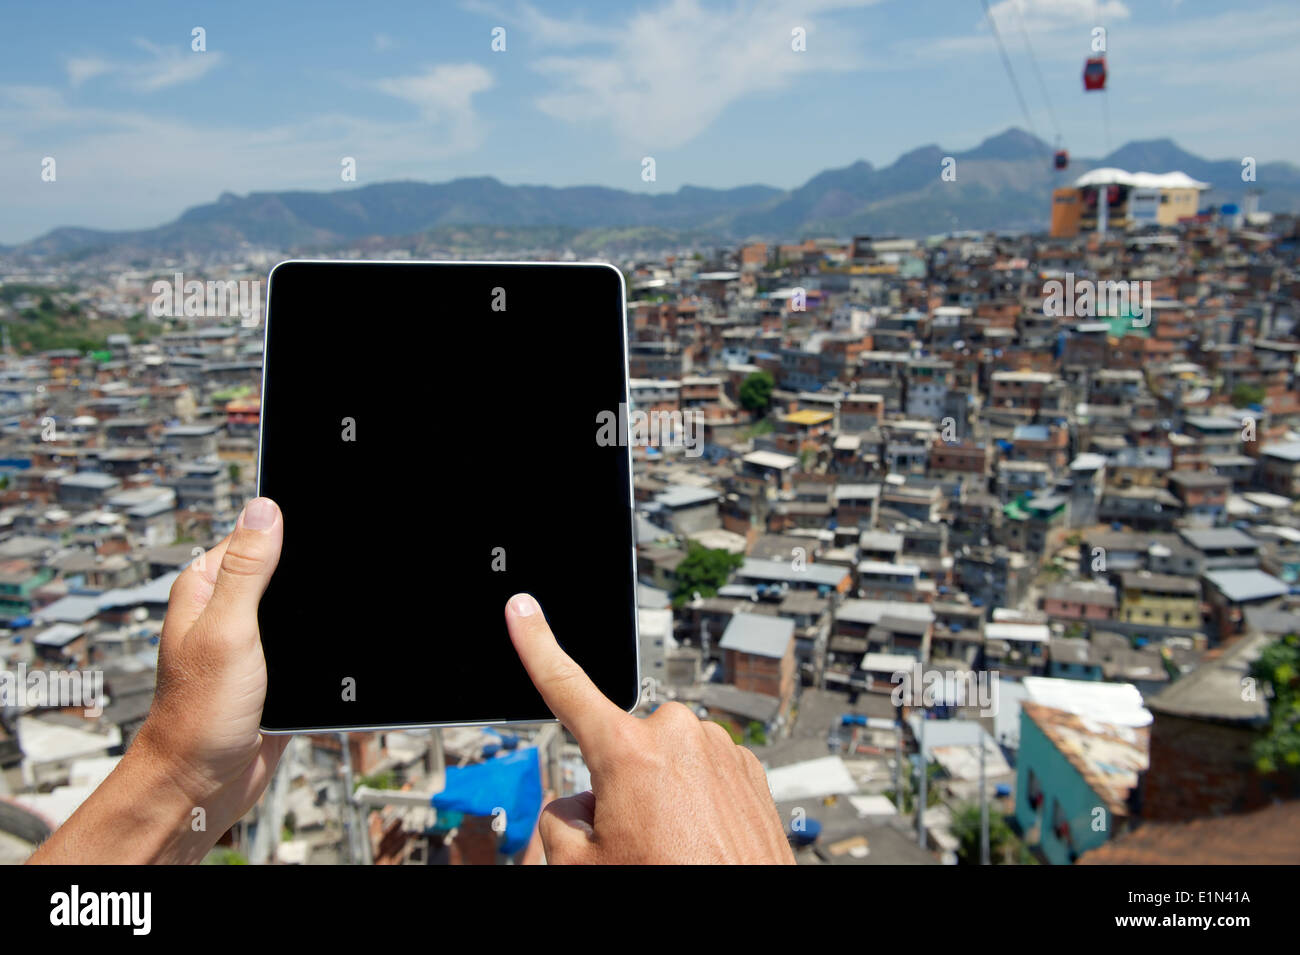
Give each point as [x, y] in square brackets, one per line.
[703, 570]
[932, 795]
[1247, 394]
[384, 779]
[1004, 847]
[223, 856]
[756, 391]
[1278, 667]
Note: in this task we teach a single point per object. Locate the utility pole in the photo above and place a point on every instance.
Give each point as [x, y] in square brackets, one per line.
[824, 649]
[357, 839]
[984, 804]
[898, 763]
[920, 805]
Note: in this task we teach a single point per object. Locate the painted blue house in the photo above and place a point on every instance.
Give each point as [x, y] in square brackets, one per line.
[1074, 777]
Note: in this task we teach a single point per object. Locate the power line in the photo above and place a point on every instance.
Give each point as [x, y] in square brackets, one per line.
[1105, 100]
[1006, 63]
[1033, 61]
[1105, 118]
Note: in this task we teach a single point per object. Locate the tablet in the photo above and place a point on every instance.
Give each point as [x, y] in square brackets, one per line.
[432, 434]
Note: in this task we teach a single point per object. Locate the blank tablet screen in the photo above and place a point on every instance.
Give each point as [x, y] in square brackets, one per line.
[430, 432]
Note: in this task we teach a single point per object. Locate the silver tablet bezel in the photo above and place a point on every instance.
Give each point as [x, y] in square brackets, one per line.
[636, 623]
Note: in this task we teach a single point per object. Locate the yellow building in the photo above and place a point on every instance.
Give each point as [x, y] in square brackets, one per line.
[1177, 204]
[806, 422]
[1160, 600]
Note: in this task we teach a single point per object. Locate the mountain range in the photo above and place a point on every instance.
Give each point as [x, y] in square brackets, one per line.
[1004, 183]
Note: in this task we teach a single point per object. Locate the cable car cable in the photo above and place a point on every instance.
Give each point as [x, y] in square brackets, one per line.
[1006, 63]
[1105, 107]
[1033, 61]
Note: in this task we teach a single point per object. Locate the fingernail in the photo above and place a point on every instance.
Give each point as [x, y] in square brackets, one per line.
[523, 605]
[259, 514]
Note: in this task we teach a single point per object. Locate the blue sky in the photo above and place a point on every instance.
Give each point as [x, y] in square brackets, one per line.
[141, 127]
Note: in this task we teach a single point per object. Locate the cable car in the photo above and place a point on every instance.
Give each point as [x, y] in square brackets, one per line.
[1061, 160]
[1094, 73]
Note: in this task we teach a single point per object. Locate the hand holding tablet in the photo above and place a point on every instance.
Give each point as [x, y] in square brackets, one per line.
[672, 789]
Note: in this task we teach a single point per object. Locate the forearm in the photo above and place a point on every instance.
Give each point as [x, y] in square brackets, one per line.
[143, 813]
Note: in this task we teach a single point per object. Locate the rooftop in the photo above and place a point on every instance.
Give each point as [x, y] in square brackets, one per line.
[762, 636]
[873, 611]
[1158, 583]
[771, 459]
[1213, 690]
[1108, 175]
[1219, 538]
[1116, 703]
[827, 575]
[1241, 586]
[1110, 757]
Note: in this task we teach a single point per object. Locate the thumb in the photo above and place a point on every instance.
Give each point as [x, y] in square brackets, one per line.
[250, 559]
[567, 829]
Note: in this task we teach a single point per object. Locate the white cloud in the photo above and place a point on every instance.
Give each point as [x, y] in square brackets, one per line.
[543, 29]
[664, 75]
[440, 92]
[444, 97]
[81, 69]
[1049, 15]
[162, 68]
[160, 165]
[382, 42]
[169, 67]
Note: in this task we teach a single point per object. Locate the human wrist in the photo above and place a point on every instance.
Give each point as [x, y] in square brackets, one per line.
[141, 814]
[182, 811]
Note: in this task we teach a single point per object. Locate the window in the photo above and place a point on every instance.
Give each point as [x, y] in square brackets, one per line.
[1060, 822]
[1035, 793]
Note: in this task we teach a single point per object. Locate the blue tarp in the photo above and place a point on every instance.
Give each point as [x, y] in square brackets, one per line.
[512, 783]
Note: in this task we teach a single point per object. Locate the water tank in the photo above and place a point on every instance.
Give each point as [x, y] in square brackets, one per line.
[808, 832]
